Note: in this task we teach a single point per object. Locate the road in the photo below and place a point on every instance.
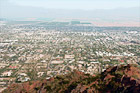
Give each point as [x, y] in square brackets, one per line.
[48, 64]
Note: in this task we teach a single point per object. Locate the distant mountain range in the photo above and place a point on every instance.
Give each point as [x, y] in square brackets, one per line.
[122, 16]
[31, 12]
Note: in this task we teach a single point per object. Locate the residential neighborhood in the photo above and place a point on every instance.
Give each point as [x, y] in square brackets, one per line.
[44, 50]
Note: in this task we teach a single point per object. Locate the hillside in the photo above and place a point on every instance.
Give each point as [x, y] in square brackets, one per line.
[118, 79]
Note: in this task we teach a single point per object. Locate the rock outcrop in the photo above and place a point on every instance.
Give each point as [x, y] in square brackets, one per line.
[119, 79]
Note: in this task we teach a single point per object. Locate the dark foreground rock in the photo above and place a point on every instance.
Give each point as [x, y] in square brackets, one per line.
[119, 79]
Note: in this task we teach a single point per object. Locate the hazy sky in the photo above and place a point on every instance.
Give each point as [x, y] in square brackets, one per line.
[123, 12]
[77, 4]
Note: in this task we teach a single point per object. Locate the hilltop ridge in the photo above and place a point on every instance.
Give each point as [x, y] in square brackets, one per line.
[124, 79]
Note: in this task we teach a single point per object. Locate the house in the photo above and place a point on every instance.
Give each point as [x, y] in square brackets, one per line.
[57, 62]
[69, 56]
[7, 73]
[40, 74]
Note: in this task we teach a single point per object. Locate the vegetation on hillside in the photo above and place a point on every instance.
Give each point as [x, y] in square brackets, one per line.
[118, 79]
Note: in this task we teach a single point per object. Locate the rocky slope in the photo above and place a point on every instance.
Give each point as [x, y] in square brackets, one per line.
[119, 79]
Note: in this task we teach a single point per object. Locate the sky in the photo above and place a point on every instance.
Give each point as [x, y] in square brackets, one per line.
[126, 12]
[77, 4]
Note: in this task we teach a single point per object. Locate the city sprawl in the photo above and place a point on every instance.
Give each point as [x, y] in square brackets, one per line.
[31, 51]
